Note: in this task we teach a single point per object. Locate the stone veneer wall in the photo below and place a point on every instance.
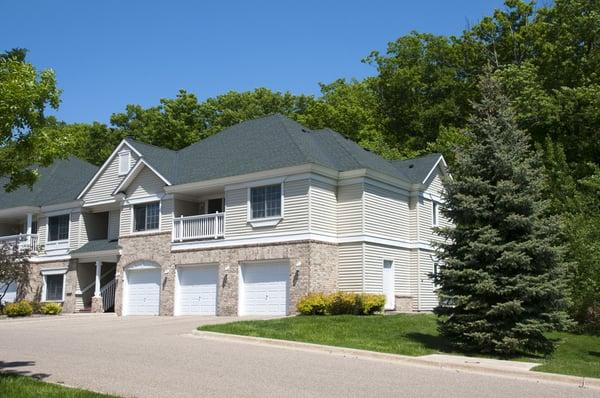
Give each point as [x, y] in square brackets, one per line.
[316, 263]
[33, 292]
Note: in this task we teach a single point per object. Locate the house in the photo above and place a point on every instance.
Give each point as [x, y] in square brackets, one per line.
[243, 222]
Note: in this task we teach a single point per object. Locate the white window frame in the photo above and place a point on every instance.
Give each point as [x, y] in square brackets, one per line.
[57, 244]
[265, 221]
[124, 155]
[55, 271]
[435, 214]
[146, 231]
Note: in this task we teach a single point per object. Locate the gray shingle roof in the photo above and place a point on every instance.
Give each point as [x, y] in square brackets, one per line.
[60, 182]
[261, 144]
[265, 143]
[417, 169]
[97, 246]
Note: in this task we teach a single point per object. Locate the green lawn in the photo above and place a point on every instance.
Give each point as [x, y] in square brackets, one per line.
[27, 387]
[407, 335]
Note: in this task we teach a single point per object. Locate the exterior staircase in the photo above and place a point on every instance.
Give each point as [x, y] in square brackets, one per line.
[83, 297]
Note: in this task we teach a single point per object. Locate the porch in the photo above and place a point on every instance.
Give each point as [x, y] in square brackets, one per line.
[19, 230]
[96, 286]
[200, 217]
[22, 242]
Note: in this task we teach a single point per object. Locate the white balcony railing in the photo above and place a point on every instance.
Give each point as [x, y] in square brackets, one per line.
[21, 241]
[206, 226]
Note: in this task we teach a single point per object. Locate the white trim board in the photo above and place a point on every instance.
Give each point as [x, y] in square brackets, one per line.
[135, 170]
[299, 236]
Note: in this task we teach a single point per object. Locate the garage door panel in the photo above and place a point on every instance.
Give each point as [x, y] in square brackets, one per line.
[264, 289]
[197, 290]
[143, 292]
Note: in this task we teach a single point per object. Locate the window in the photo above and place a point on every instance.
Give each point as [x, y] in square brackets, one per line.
[146, 216]
[54, 287]
[265, 202]
[124, 162]
[58, 227]
[434, 214]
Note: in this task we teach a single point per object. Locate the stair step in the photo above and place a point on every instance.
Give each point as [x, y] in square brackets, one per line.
[86, 309]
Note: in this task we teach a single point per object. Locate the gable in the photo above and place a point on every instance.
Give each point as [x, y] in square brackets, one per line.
[434, 184]
[145, 183]
[107, 180]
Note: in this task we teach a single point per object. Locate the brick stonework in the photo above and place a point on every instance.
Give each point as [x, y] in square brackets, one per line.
[404, 303]
[33, 292]
[97, 304]
[313, 267]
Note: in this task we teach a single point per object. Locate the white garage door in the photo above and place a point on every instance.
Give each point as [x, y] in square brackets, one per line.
[196, 290]
[264, 289]
[143, 292]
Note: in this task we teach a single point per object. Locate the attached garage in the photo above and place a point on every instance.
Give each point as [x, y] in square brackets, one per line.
[264, 288]
[141, 292]
[196, 290]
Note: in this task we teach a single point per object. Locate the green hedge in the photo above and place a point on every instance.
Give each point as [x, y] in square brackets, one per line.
[341, 303]
[51, 309]
[22, 308]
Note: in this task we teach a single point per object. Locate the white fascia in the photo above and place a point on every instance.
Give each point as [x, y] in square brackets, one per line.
[106, 163]
[135, 170]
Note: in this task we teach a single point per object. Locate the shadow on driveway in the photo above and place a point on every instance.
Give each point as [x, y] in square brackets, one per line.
[9, 368]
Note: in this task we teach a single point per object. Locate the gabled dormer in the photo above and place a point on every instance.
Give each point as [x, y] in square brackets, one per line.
[110, 175]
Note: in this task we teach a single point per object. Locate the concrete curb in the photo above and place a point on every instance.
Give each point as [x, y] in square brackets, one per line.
[582, 382]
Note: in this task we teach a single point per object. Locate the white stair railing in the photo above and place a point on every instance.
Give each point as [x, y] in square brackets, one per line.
[108, 294]
[206, 226]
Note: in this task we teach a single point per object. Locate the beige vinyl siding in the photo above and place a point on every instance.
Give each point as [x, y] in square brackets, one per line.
[428, 296]
[42, 229]
[350, 274]
[386, 213]
[166, 215]
[113, 224]
[323, 207]
[146, 183]
[414, 278]
[126, 220]
[108, 180]
[295, 217]
[374, 256]
[74, 232]
[350, 209]
[434, 183]
[425, 220]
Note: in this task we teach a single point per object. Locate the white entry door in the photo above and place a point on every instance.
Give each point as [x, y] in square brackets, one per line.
[196, 290]
[142, 292]
[388, 285]
[264, 289]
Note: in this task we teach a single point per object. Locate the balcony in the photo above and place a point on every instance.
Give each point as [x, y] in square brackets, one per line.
[22, 242]
[206, 226]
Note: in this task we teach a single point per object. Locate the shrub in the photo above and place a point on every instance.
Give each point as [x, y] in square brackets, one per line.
[341, 303]
[313, 304]
[22, 308]
[36, 306]
[372, 303]
[51, 309]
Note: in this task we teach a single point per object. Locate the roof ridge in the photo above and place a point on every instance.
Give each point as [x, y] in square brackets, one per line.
[152, 145]
[279, 119]
[335, 134]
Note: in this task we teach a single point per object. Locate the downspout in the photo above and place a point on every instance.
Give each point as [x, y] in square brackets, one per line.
[418, 253]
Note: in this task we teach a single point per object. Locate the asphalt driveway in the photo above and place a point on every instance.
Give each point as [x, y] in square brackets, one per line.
[157, 357]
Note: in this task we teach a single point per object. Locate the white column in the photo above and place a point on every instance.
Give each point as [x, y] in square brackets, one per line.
[98, 273]
[29, 222]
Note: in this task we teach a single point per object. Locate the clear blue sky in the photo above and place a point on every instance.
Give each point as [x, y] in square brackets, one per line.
[109, 53]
